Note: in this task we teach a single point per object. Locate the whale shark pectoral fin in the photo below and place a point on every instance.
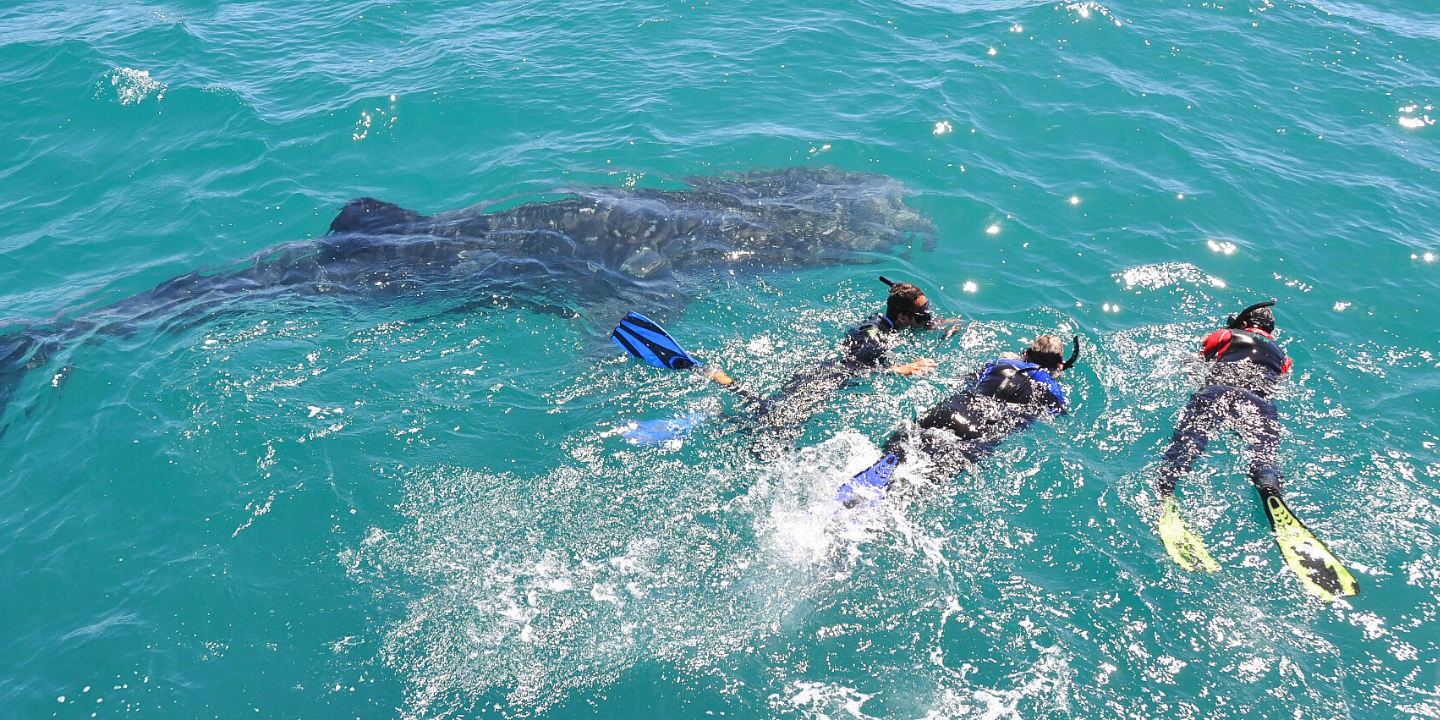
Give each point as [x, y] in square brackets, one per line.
[369, 215]
[26, 350]
[21, 352]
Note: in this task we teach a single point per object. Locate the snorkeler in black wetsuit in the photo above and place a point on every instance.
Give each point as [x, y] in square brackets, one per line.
[778, 418]
[1236, 393]
[1248, 365]
[1007, 395]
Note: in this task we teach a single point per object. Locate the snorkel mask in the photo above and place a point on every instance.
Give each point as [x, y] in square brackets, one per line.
[922, 316]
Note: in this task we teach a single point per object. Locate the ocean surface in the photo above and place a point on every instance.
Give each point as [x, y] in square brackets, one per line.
[413, 504]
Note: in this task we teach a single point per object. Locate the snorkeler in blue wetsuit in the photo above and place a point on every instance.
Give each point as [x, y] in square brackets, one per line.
[1005, 396]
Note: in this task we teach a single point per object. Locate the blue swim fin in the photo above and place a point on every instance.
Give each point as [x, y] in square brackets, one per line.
[657, 432]
[870, 484]
[641, 337]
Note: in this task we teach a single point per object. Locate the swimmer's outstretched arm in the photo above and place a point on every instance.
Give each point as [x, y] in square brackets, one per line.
[917, 367]
[718, 375]
[923, 366]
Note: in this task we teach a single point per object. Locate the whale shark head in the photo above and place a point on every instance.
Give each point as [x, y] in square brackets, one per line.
[798, 216]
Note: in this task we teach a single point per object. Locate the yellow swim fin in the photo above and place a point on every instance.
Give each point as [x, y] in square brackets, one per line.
[1184, 546]
[1320, 573]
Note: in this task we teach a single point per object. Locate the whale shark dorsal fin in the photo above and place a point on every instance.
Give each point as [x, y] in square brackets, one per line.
[369, 215]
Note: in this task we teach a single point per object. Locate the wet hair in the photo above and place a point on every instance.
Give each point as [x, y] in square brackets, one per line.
[1262, 318]
[1045, 351]
[902, 300]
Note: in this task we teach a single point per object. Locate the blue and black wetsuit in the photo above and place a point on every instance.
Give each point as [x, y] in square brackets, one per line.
[1248, 365]
[1003, 397]
[779, 417]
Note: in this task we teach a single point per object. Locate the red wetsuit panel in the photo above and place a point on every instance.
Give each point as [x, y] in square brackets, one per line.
[1215, 344]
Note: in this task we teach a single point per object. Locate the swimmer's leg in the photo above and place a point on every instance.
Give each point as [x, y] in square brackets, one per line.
[1259, 423]
[1320, 573]
[1202, 417]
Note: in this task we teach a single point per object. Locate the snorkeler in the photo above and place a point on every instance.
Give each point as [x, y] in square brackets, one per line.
[1248, 367]
[778, 418]
[1007, 395]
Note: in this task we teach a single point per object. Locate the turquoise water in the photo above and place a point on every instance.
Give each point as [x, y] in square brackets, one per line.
[375, 508]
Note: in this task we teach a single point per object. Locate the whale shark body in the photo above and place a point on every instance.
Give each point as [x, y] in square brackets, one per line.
[622, 247]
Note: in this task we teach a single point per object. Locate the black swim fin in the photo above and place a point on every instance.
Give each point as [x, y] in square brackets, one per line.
[643, 338]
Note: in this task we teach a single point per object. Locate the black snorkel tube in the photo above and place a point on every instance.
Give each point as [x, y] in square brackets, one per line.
[1074, 354]
[1237, 322]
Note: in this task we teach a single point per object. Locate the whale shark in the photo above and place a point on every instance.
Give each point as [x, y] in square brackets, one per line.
[592, 247]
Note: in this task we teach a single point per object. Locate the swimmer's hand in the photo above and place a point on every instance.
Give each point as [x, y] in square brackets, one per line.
[718, 376]
[919, 367]
[950, 325]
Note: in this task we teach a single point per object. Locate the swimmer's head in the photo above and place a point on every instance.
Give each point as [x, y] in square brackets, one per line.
[907, 306]
[1258, 315]
[1264, 318]
[1046, 351]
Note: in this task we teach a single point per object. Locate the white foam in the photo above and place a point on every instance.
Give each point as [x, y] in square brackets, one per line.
[1161, 275]
[503, 575]
[133, 86]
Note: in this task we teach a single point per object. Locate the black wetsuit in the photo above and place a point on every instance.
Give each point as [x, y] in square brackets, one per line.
[779, 417]
[1003, 397]
[1248, 365]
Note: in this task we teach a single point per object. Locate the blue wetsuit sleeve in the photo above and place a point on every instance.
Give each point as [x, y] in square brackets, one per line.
[979, 376]
[1060, 404]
